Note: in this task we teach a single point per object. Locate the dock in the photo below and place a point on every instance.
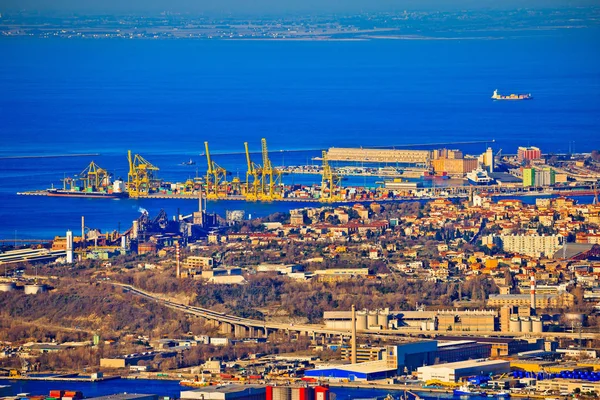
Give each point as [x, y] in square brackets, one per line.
[61, 378]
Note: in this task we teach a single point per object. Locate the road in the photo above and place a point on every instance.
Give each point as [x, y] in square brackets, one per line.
[320, 329]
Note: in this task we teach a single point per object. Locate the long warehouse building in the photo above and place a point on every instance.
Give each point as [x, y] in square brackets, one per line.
[418, 157]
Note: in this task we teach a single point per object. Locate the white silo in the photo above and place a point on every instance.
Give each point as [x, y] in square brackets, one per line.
[514, 325]
[537, 325]
[382, 319]
[372, 318]
[361, 321]
[525, 324]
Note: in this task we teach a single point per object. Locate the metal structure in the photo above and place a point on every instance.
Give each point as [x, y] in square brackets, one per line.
[271, 177]
[140, 176]
[263, 182]
[253, 178]
[216, 178]
[93, 176]
[330, 183]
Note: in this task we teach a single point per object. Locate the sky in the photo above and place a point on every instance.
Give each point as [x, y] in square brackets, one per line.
[272, 6]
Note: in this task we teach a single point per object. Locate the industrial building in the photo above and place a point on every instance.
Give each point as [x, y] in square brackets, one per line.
[226, 392]
[442, 320]
[416, 157]
[455, 166]
[546, 301]
[453, 372]
[197, 262]
[567, 385]
[404, 357]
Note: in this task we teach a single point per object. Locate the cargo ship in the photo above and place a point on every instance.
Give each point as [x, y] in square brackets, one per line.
[497, 96]
[91, 194]
[114, 191]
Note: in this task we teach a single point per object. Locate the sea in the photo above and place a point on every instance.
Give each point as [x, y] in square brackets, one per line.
[164, 98]
[172, 389]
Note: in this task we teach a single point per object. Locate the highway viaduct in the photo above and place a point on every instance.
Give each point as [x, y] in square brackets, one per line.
[246, 327]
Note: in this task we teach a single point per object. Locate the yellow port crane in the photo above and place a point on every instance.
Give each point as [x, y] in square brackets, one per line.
[271, 177]
[253, 178]
[330, 183]
[216, 178]
[93, 176]
[140, 176]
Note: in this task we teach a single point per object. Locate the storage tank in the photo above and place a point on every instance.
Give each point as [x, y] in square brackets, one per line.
[514, 325]
[382, 319]
[7, 286]
[537, 325]
[34, 288]
[372, 318]
[361, 321]
[525, 324]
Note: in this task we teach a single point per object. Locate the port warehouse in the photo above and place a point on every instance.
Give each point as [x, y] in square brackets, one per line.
[406, 357]
[453, 372]
[416, 157]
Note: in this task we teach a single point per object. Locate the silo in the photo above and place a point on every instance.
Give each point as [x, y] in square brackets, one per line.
[536, 325]
[7, 286]
[361, 321]
[372, 318]
[34, 288]
[525, 324]
[382, 319]
[514, 325]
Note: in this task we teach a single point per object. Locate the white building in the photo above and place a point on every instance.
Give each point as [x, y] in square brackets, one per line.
[531, 245]
[453, 372]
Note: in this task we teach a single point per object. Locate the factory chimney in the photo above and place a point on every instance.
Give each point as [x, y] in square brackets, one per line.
[69, 247]
[83, 242]
[177, 258]
[533, 293]
[353, 340]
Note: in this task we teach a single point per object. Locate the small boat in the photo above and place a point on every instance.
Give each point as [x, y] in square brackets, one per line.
[191, 162]
[465, 391]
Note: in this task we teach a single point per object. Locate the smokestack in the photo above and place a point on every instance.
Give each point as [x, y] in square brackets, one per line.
[69, 247]
[353, 340]
[533, 293]
[83, 232]
[177, 258]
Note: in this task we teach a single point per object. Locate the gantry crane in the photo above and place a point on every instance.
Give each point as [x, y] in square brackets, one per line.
[140, 176]
[216, 178]
[253, 178]
[271, 177]
[330, 183]
[93, 176]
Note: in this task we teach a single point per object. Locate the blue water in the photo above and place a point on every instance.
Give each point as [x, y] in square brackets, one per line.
[172, 389]
[164, 98]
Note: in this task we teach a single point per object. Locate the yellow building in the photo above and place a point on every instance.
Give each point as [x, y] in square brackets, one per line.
[455, 166]
[196, 262]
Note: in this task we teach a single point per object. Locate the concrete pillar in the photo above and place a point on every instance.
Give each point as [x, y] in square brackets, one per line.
[225, 328]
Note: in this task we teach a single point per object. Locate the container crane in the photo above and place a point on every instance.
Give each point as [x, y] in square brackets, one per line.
[330, 183]
[271, 177]
[93, 176]
[216, 178]
[253, 178]
[140, 176]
